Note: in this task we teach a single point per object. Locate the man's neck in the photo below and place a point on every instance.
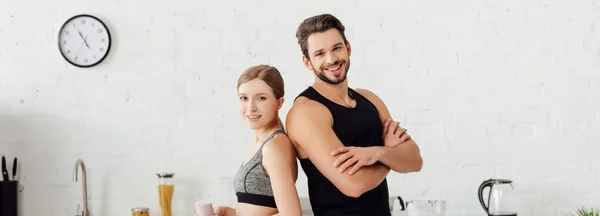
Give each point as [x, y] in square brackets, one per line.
[337, 93]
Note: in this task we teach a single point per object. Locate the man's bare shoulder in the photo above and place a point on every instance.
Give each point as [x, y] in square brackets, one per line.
[367, 93]
[304, 101]
[305, 116]
[303, 106]
[384, 113]
[371, 96]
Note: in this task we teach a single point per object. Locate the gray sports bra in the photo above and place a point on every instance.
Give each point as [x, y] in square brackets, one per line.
[251, 182]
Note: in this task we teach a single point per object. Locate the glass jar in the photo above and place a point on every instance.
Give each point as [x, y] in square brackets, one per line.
[140, 211]
[166, 187]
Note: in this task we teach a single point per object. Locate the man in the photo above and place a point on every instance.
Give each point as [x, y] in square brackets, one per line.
[345, 138]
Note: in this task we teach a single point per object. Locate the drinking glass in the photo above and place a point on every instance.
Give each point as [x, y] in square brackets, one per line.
[203, 205]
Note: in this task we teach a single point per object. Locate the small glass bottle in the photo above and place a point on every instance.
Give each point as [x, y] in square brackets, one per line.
[166, 187]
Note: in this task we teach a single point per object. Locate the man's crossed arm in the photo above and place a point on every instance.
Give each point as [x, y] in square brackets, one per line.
[400, 153]
[309, 126]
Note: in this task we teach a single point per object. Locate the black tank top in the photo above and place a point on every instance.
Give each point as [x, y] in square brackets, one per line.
[359, 126]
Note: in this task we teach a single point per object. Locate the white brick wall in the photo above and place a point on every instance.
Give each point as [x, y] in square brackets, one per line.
[489, 89]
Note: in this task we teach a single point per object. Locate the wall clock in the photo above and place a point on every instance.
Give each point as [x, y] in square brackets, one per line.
[84, 40]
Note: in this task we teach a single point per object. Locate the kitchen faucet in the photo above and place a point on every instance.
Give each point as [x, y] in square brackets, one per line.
[84, 184]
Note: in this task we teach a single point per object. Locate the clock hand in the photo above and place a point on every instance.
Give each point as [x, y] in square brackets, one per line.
[86, 44]
[80, 35]
[84, 41]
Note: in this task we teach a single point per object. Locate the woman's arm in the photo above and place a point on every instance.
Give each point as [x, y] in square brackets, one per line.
[279, 160]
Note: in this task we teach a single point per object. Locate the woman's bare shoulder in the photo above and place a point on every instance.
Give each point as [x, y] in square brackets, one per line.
[279, 145]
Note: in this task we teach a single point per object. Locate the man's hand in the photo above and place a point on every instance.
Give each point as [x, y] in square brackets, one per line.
[393, 134]
[357, 156]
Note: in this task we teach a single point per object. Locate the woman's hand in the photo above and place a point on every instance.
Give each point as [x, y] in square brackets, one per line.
[224, 211]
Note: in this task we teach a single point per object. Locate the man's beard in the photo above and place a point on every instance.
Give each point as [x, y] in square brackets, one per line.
[321, 74]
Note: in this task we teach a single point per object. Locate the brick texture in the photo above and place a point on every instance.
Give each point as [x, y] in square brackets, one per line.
[489, 89]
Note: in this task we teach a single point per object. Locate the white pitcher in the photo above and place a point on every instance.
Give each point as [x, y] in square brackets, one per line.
[426, 208]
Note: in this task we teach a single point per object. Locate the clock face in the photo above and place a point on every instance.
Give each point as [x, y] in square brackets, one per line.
[84, 41]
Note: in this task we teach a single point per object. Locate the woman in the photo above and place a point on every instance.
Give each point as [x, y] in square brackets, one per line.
[265, 184]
